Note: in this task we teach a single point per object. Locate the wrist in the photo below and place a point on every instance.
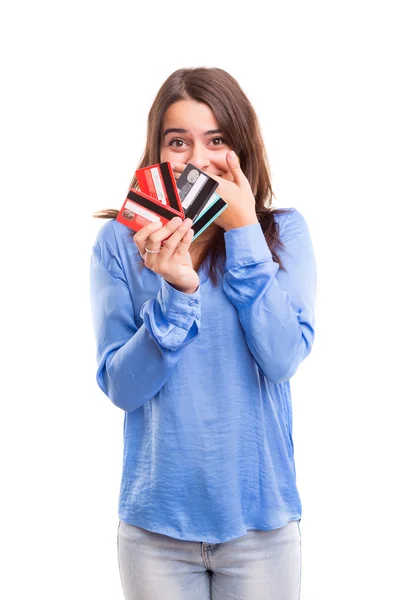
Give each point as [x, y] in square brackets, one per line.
[187, 291]
[184, 290]
[241, 223]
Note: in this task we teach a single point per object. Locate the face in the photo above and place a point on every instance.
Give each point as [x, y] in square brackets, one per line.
[190, 134]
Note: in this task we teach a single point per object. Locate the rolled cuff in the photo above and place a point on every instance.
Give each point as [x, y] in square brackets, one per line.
[246, 245]
[178, 308]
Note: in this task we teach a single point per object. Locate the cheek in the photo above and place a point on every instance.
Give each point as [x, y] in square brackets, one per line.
[173, 156]
[165, 154]
[219, 161]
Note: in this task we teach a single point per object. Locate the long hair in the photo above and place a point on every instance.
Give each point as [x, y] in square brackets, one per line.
[238, 121]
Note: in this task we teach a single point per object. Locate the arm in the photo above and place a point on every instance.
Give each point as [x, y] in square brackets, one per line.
[276, 309]
[135, 362]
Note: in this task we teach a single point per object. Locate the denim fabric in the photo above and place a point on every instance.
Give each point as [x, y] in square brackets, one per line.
[261, 565]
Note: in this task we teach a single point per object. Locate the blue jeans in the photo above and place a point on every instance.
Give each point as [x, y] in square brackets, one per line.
[261, 565]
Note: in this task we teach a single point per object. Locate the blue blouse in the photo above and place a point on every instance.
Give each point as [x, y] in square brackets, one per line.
[204, 380]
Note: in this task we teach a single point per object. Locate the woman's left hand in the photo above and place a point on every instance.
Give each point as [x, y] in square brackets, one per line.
[238, 195]
[234, 188]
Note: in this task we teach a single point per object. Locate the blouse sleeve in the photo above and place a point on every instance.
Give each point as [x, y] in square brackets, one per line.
[133, 363]
[276, 308]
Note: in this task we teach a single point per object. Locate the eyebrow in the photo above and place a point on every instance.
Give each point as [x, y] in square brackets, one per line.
[178, 130]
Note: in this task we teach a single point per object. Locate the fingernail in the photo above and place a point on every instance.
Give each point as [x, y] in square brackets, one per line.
[231, 154]
[173, 165]
[176, 220]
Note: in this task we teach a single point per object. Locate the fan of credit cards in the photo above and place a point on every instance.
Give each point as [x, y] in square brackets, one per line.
[161, 198]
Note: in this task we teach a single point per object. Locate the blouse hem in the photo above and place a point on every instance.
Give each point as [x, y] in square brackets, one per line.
[195, 538]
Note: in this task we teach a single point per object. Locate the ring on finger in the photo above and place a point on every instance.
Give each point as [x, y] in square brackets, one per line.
[152, 251]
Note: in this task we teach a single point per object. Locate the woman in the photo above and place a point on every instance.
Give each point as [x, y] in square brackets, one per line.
[197, 343]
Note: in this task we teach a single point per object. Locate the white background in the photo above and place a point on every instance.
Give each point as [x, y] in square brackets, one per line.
[78, 79]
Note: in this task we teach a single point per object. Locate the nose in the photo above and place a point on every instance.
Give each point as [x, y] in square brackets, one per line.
[199, 157]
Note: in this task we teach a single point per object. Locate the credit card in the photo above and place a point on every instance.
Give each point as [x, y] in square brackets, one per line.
[195, 190]
[158, 182]
[139, 210]
[211, 211]
[194, 193]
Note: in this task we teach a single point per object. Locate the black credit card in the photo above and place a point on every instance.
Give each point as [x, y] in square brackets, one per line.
[195, 189]
[210, 213]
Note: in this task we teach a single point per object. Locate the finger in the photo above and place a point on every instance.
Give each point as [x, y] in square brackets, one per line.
[185, 242]
[155, 243]
[223, 186]
[174, 240]
[142, 235]
[154, 240]
[232, 161]
[227, 176]
[178, 168]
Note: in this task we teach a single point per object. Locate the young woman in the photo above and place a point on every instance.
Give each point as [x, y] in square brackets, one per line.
[197, 343]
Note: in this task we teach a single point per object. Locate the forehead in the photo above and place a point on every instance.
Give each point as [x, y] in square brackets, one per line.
[189, 114]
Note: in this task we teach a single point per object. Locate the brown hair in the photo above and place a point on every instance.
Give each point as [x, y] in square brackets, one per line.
[239, 123]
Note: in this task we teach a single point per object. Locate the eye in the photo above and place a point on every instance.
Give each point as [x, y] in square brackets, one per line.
[180, 144]
[218, 139]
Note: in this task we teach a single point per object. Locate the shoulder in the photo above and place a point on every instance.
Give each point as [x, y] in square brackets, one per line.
[283, 215]
[291, 222]
[112, 231]
[112, 243]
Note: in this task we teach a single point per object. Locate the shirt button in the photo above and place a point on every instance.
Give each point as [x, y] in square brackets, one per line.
[192, 303]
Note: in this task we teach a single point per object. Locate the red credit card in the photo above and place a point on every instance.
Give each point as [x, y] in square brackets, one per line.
[158, 182]
[140, 210]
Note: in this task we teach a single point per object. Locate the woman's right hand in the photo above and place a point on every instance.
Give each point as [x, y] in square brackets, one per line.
[173, 262]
